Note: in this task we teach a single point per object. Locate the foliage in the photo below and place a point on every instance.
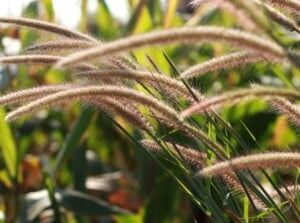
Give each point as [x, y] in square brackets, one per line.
[182, 116]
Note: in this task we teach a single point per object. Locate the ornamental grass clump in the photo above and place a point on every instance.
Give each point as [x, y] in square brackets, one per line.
[193, 120]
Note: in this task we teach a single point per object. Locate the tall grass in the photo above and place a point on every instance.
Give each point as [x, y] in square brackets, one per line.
[225, 167]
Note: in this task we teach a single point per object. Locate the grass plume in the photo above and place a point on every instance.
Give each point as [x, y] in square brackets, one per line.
[291, 5]
[32, 94]
[60, 45]
[252, 162]
[287, 108]
[191, 156]
[170, 84]
[234, 37]
[80, 93]
[281, 18]
[224, 62]
[123, 108]
[46, 26]
[40, 59]
[244, 20]
[239, 96]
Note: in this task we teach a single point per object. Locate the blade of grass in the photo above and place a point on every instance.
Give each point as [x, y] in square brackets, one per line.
[203, 201]
[170, 13]
[51, 193]
[155, 11]
[83, 204]
[74, 137]
[175, 70]
[105, 21]
[8, 147]
[135, 18]
[49, 9]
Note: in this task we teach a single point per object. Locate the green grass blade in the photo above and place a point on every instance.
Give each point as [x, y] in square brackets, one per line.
[135, 18]
[48, 5]
[8, 147]
[83, 204]
[74, 137]
[170, 13]
[51, 193]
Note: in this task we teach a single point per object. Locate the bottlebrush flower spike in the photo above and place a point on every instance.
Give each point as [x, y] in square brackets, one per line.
[291, 5]
[224, 62]
[32, 93]
[40, 59]
[239, 96]
[237, 38]
[191, 156]
[80, 93]
[59, 45]
[252, 162]
[173, 86]
[287, 108]
[49, 27]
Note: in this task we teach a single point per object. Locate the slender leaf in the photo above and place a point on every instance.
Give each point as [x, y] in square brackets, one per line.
[170, 12]
[74, 137]
[8, 146]
[81, 203]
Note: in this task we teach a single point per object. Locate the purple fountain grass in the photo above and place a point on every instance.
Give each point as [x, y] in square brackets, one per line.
[123, 107]
[237, 38]
[191, 156]
[80, 93]
[49, 27]
[248, 13]
[60, 45]
[281, 18]
[239, 96]
[243, 19]
[246, 22]
[198, 159]
[224, 62]
[171, 85]
[252, 162]
[178, 126]
[288, 191]
[40, 59]
[196, 134]
[30, 59]
[26, 95]
[287, 108]
[291, 5]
